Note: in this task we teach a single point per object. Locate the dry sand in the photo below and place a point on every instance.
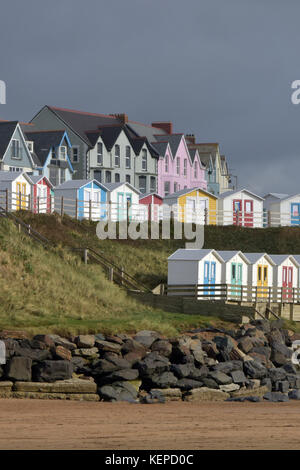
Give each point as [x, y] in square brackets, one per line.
[39, 424]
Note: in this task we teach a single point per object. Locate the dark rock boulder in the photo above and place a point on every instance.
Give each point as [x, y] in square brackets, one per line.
[153, 363]
[280, 354]
[19, 368]
[294, 395]
[254, 370]
[188, 384]
[276, 397]
[50, 371]
[220, 378]
[119, 391]
[163, 380]
[146, 337]
[238, 377]
[125, 374]
[163, 347]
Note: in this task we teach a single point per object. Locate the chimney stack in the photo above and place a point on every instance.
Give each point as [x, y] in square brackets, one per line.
[191, 139]
[123, 118]
[165, 126]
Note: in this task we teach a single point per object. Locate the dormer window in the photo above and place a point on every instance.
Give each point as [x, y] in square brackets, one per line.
[144, 160]
[117, 155]
[15, 149]
[53, 153]
[99, 153]
[62, 152]
[30, 146]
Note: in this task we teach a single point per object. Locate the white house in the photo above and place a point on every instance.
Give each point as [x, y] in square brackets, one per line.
[191, 267]
[282, 209]
[240, 207]
[123, 197]
[15, 190]
[260, 274]
[286, 276]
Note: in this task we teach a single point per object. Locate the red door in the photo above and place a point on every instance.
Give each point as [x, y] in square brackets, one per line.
[248, 213]
[237, 212]
[287, 282]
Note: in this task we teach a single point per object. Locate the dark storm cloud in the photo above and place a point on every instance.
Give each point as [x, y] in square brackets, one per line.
[220, 69]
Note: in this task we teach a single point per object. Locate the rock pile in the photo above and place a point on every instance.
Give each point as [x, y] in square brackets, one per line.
[251, 363]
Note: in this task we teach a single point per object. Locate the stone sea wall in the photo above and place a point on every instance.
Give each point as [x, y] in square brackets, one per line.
[251, 363]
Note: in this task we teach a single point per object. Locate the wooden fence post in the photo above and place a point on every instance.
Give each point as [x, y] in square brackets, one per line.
[6, 202]
[110, 274]
[29, 202]
[76, 209]
[85, 255]
[205, 216]
[38, 204]
[109, 211]
[269, 219]
[128, 208]
[90, 209]
[29, 229]
[162, 289]
[62, 206]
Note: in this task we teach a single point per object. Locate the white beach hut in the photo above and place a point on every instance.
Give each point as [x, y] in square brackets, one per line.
[240, 207]
[192, 267]
[286, 277]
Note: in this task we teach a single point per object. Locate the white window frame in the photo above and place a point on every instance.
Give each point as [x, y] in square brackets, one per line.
[18, 157]
[30, 145]
[117, 156]
[75, 147]
[63, 153]
[100, 154]
[144, 159]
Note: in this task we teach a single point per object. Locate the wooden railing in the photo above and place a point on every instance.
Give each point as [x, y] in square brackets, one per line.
[93, 210]
[235, 293]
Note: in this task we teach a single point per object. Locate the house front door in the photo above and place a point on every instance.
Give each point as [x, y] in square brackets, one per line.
[237, 211]
[295, 213]
[248, 213]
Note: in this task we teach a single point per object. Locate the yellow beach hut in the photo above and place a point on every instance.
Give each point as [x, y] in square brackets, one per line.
[193, 205]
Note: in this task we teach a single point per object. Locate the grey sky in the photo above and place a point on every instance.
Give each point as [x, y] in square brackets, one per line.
[221, 69]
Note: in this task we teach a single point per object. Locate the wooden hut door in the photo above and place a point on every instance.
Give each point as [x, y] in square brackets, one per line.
[262, 280]
[248, 213]
[209, 277]
[287, 282]
[237, 211]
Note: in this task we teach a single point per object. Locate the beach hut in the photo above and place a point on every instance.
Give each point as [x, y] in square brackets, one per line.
[234, 272]
[40, 194]
[242, 208]
[286, 277]
[260, 275]
[191, 267]
[282, 209]
[15, 190]
[123, 199]
[153, 201]
[193, 205]
[83, 199]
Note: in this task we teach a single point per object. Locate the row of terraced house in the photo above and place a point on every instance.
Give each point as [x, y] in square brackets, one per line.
[63, 144]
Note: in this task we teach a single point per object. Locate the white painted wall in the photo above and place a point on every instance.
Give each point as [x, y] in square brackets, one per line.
[226, 208]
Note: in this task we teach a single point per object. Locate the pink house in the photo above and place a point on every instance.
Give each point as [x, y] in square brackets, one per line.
[178, 167]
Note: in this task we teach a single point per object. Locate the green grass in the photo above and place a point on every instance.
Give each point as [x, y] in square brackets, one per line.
[53, 291]
[147, 259]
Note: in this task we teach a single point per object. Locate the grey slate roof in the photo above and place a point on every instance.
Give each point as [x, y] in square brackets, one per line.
[189, 255]
[227, 255]
[192, 154]
[7, 128]
[77, 184]
[173, 139]
[9, 175]
[254, 257]
[277, 195]
[111, 186]
[227, 193]
[160, 147]
[186, 191]
[297, 258]
[278, 259]
[143, 130]
[81, 121]
[142, 196]
[43, 142]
